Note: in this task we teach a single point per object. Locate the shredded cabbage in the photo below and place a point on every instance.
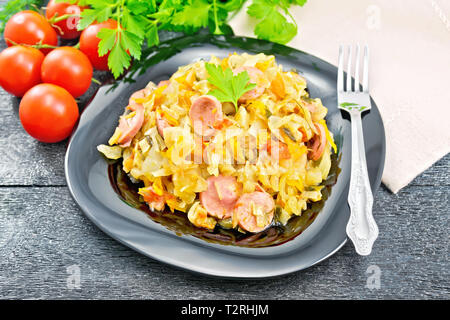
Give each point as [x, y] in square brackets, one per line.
[166, 159]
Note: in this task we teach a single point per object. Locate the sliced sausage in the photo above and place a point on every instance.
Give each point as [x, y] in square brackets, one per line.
[311, 107]
[205, 113]
[154, 201]
[140, 94]
[255, 74]
[161, 124]
[318, 143]
[277, 149]
[130, 126]
[304, 135]
[220, 196]
[254, 211]
[163, 83]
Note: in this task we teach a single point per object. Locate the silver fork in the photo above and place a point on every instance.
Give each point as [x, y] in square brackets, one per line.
[361, 227]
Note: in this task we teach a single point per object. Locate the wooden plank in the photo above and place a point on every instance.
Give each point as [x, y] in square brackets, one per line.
[437, 175]
[43, 233]
[25, 161]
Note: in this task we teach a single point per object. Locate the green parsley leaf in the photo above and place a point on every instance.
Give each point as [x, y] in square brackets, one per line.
[300, 3]
[78, 2]
[231, 5]
[134, 24]
[100, 11]
[275, 28]
[172, 4]
[139, 7]
[273, 25]
[152, 35]
[163, 17]
[132, 43]
[118, 59]
[7, 10]
[194, 15]
[122, 45]
[107, 40]
[228, 87]
[87, 18]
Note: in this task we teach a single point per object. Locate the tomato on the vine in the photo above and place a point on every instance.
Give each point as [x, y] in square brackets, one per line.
[89, 43]
[48, 112]
[20, 69]
[29, 27]
[67, 28]
[69, 68]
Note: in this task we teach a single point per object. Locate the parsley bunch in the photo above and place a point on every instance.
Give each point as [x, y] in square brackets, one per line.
[140, 20]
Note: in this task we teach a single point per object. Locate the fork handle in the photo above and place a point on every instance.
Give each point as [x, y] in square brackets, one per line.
[361, 228]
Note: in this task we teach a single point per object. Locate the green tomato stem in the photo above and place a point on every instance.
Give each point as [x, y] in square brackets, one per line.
[217, 29]
[36, 46]
[95, 81]
[56, 19]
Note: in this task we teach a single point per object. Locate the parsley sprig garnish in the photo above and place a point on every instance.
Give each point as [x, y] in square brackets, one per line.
[228, 87]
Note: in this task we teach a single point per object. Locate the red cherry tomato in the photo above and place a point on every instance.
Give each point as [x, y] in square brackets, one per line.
[48, 112]
[89, 43]
[69, 68]
[29, 27]
[20, 69]
[67, 28]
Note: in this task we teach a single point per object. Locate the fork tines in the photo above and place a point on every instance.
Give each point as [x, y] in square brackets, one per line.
[348, 83]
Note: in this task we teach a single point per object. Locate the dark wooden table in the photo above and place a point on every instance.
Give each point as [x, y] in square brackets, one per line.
[45, 239]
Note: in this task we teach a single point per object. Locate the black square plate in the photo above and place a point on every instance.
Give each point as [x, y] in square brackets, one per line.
[87, 172]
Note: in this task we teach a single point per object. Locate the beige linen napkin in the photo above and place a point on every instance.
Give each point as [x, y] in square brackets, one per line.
[409, 69]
